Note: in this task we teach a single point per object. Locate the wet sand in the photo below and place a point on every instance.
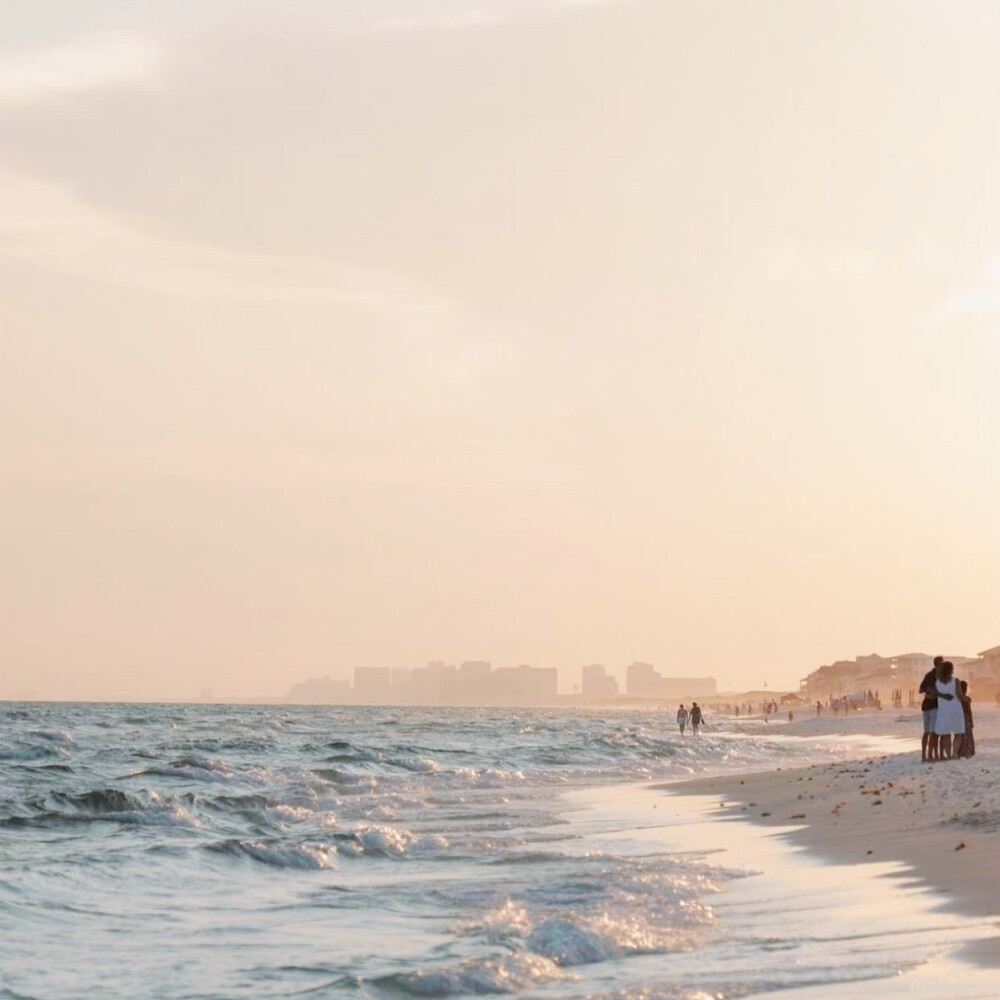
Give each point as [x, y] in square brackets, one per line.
[942, 820]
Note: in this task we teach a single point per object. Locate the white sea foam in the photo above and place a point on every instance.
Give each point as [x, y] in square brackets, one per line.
[508, 974]
[380, 839]
[190, 768]
[290, 814]
[168, 816]
[300, 856]
[581, 939]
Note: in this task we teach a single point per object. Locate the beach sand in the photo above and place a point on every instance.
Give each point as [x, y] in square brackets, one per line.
[941, 820]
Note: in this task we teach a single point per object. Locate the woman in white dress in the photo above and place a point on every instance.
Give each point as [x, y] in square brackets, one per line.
[950, 720]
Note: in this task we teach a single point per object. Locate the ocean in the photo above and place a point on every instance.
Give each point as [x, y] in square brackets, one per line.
[250, 852]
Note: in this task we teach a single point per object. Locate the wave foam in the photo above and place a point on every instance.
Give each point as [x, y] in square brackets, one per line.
[581, 939]
[109, 805]
[277, 854]
[191, 768]
[509, 974]
[390, 842]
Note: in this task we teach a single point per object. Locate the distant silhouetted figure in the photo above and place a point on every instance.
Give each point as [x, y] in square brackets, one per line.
[682, 718]
[819, 708]
[696, 717]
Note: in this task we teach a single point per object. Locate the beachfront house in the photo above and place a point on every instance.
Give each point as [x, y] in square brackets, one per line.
[983, 674]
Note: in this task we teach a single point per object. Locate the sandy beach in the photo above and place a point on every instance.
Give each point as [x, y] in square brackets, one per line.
[942, 820]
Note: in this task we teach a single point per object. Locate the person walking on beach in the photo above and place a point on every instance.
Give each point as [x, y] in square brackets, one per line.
[928, 688]
[682, 718]
[696, 717]
[968, 740]
[949, 724]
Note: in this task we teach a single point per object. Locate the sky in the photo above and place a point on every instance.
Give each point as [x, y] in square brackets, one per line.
[347, 333]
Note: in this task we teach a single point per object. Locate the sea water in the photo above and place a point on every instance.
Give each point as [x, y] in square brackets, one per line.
[194, 851]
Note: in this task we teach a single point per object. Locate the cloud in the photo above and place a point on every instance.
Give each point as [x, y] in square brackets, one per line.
[433, 21]
[90, 63]
[447, 15]
[980, 299]
[47, 225]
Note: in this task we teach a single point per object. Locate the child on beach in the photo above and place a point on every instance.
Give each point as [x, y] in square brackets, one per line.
[968, 748]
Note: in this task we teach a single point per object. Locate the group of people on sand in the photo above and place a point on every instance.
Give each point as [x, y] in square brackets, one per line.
[695, 717]
[947, 712]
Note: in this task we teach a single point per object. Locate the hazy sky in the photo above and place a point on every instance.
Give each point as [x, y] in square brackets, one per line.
[344, 333]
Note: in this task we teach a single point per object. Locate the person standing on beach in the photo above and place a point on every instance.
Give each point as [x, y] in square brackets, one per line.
[949, 723]
[968, 740]
[696, 717]
[682, 718]
[928, 688]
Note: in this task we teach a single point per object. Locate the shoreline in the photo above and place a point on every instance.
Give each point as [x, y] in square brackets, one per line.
[940, 820]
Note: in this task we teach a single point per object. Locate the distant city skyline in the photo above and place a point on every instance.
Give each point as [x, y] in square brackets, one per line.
[481, 683]
[588, 682]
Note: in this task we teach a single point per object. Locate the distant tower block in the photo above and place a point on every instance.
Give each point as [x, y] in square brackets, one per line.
[371, 685]
[597, 684]
[644, 681]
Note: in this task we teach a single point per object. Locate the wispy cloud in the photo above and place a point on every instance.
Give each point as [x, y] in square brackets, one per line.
[448, 15]
[433, 21]
[980, 298]
[46, 224]
[89, 63]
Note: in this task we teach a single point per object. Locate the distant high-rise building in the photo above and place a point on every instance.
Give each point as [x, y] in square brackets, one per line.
[597, 684]
[525, 685]
[371, 685]
[474, 683]
[320, 691]
[401, 685]
[644, 681]
[476, 668]
[433, 684]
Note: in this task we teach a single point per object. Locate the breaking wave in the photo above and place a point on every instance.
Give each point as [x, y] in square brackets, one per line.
[280, 854]
[109, 805]
[507, 974]
[189, 768]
